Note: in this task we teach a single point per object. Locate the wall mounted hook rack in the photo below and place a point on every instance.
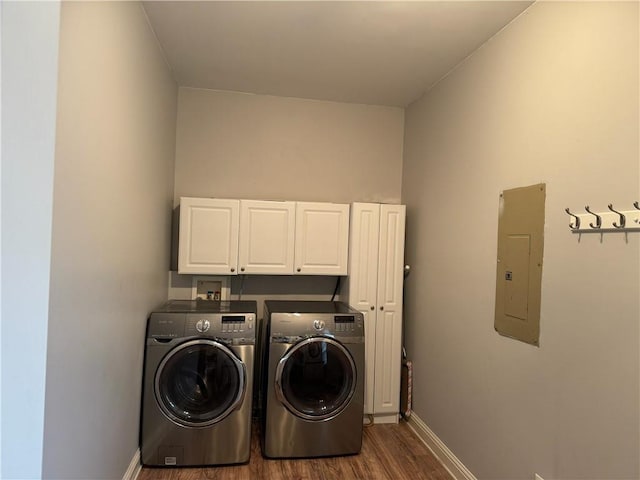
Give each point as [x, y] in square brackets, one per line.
[609, 221]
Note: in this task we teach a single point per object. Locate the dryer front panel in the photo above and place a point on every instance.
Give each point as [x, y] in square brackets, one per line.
[199, 383]
[316, 378]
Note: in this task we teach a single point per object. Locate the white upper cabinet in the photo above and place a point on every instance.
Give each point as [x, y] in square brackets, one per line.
[208, 242]
[322, 238]
[267, 232]
[231, 237]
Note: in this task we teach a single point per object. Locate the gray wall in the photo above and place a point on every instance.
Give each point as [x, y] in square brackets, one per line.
[553, 98]
[29, 75]
[237, 145]
[264, 287]
[112, 204]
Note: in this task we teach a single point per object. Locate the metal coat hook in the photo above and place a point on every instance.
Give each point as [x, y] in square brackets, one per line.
[623, 219]
[598, 218]
[572, 226]
[607, 221]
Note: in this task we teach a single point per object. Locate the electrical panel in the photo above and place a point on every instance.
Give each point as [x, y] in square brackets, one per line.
[519, 271]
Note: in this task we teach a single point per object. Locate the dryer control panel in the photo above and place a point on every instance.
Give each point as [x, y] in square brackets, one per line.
[311, 324]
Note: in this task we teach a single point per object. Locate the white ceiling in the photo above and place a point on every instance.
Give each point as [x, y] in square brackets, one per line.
[371, 52]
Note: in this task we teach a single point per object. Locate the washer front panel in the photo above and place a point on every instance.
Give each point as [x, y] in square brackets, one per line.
[199, 383]
[316, 378]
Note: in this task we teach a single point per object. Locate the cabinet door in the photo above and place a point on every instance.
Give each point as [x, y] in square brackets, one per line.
[362, 283]
[389, 309]
[267, 232]
[322, 238]
[208, 241]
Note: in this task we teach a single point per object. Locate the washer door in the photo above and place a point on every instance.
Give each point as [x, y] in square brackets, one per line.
[199, 383]
[316, 378]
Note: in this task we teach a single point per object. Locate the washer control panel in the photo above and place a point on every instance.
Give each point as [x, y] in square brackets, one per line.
[234, 327]
[236, 323]
[229, 326]
[346, 323]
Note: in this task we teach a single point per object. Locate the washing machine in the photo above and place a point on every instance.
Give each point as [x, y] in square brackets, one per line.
[312, 379]
[198, 383]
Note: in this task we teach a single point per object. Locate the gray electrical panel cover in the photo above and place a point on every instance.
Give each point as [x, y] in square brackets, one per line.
[519, 272]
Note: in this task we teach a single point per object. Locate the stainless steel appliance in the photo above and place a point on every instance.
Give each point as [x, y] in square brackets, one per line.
[198, 383]
[313, 374]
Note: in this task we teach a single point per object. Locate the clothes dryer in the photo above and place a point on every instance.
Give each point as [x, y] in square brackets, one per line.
[312, 379]
[198, 383]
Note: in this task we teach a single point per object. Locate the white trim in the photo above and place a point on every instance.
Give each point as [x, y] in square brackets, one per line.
[385, 418]
[454, 466]
[134, 467]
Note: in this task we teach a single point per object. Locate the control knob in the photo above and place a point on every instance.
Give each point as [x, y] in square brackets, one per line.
[202, 325]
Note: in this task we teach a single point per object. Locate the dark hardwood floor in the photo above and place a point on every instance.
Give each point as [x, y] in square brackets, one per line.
[389, 452]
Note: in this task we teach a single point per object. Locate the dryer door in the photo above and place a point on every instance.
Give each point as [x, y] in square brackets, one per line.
[199, 383]
[316, 378]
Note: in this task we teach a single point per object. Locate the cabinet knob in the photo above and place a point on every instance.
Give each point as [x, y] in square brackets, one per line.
[298, 269]
[233, 269]
[373, 307]
[242, 269]
[381, 308]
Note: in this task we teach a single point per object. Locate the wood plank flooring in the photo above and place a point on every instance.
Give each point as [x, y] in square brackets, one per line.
[389, 452]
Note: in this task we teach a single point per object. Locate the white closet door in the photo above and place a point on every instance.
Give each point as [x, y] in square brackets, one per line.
[389, 309]
[363, 281]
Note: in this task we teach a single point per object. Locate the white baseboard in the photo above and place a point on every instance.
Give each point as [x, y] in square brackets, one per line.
[455, 467]
[392, 418]
[134, 467]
